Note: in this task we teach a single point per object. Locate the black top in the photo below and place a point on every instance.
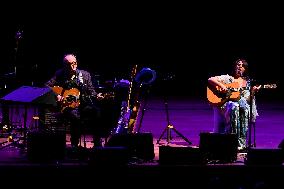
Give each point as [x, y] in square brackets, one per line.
[80, 79]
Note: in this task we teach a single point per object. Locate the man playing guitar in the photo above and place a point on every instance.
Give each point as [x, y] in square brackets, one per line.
[75, 95]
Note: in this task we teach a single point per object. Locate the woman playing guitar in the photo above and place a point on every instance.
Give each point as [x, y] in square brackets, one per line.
[233, 108]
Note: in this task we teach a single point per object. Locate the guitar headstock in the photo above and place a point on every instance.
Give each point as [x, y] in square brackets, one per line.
[270, 86]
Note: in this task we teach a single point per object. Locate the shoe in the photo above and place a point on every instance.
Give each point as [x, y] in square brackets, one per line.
[242, 149]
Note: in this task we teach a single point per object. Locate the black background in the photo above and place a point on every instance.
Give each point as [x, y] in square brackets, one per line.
[187, 42]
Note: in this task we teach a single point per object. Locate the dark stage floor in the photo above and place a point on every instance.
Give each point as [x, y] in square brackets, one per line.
[174, 158]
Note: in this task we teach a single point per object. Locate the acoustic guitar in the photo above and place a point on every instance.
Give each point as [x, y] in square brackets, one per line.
[217, 98]
[70, 97]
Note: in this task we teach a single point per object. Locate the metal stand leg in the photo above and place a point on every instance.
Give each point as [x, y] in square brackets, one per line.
[170, 127]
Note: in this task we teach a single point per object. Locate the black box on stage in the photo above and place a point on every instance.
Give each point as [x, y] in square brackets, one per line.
[219, 147]
[46, 145]
[258, 156]
[139, 145]
[109, 156]
[180, 155]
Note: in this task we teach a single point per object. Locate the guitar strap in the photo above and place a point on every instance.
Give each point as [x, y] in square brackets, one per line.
[85, 99]
[80, 77]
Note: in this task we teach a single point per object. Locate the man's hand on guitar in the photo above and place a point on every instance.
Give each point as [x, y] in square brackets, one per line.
[100, 96]
[105, 96]
[60, 98]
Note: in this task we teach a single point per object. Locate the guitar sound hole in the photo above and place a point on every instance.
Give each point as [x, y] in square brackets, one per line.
[70, 98]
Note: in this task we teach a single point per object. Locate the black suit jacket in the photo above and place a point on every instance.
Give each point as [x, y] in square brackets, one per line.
[81, 80]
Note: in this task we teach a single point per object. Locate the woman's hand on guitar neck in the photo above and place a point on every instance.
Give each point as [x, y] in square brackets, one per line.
[256, 88]
[103, 96]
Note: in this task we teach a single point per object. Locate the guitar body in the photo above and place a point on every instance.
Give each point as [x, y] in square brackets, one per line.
[70, 97]
[218, 98]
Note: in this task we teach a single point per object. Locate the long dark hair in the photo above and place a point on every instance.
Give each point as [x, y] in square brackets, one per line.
[245, 65]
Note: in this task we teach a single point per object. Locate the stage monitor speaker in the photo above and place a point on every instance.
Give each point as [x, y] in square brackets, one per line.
[109, 156]
[139, 145]
[281, 145]
[258, 156]
[180, 155]
[219, 147]
[46, 146]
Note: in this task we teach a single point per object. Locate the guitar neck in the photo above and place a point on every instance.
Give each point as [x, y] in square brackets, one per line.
[268, 86]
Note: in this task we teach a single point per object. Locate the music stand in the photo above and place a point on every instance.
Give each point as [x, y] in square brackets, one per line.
[27, 95]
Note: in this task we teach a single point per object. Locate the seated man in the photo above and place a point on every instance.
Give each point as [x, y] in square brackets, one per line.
[76, 98]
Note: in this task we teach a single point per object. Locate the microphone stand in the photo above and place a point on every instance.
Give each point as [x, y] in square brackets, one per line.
[251, 123]
[10, 76]
[170, 127]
